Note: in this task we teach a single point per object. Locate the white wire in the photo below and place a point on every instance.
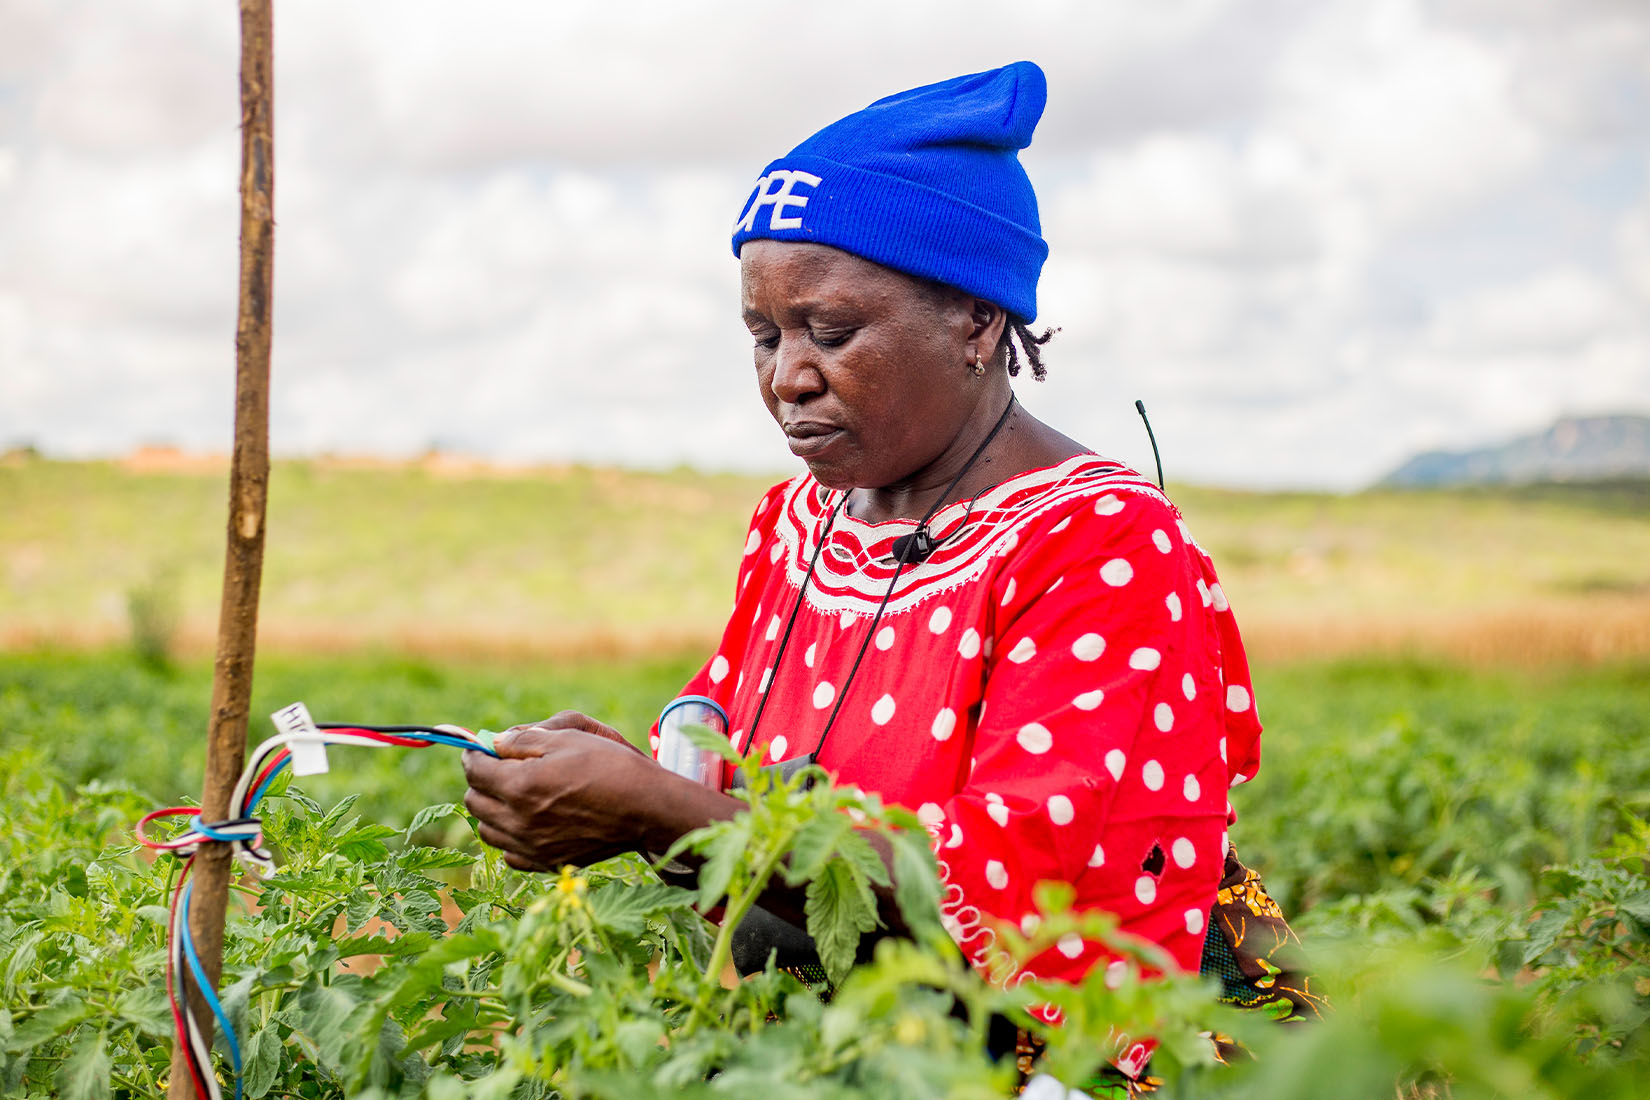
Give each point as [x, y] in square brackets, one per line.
[180, 973]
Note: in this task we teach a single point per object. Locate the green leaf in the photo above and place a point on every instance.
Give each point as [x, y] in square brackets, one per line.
[1637, 907]
[427, 859]
[262, 1063]
[429, 815]
[1544, 932]
[916, 887]
[47, 1024]
[837, 917]
[815, 843]
[22, 958]
[84, 1075]
[708, 740]
[146, 1009]
[361, 907]
[863, 857]
[722, 855]
[309, 804]
[336, 814]
[625, 907]
[365, 843]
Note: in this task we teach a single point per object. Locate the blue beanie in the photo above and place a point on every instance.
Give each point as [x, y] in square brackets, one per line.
[927, 182]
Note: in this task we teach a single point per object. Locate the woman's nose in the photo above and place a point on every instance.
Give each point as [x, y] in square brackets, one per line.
[796, 374]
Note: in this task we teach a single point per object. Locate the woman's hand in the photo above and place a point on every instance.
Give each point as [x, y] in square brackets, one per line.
[572, 790]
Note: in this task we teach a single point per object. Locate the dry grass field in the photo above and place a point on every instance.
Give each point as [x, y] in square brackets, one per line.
[445, 557]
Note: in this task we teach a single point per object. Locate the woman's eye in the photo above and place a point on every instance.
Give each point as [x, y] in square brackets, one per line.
[832, 338]
[766, 339]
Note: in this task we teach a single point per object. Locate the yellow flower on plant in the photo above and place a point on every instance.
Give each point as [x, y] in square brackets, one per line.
[570, 889]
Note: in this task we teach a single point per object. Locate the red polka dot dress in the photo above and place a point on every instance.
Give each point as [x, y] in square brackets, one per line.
[1059, 692]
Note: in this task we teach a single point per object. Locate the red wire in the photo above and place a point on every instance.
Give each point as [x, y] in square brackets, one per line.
[170, 811]
[171, 995]
[386, 738]
[269, 769]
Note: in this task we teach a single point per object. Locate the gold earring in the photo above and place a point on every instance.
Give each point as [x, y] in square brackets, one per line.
[979, 365]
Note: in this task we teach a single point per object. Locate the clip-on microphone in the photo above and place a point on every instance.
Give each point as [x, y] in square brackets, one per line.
[914, 547]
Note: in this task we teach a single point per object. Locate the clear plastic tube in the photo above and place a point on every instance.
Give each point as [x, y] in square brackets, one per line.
[682, 756]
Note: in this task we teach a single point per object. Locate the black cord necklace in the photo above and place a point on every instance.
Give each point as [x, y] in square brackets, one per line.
[915, 547]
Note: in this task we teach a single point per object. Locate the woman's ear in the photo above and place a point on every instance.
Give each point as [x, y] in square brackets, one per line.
[989, 328]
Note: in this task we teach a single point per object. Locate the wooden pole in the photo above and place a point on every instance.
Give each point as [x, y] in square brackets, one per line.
[248, 493]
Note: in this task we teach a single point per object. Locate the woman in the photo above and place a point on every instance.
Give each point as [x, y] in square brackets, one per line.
[957, 606]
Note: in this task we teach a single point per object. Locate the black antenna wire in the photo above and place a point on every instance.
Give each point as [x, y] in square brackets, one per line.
[1140, 407]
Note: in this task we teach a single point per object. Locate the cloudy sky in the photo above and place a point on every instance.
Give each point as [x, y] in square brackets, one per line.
[1314, 235]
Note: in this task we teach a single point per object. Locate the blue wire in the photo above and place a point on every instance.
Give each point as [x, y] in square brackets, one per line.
[264, 786]
[212, 834]
[455, 742]
[207, 992]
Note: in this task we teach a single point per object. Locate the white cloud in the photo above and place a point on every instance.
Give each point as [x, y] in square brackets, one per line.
[1555, 311]
[506, 229]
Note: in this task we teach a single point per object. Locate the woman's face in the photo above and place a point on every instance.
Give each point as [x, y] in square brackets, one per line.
[865, 369]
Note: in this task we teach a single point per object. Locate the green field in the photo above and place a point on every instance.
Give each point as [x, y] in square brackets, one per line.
[1418, 820]
[564, 561]
[1452, 804]
[1377, 774]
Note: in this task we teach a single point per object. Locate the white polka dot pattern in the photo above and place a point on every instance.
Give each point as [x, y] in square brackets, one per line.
[1035, 738]
[1098, 681]
[776, 750]
[945, 723]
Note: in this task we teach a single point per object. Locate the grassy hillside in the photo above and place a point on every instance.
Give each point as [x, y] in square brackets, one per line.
[427, 559]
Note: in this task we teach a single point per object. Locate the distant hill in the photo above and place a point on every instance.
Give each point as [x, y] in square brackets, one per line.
[1575, 448]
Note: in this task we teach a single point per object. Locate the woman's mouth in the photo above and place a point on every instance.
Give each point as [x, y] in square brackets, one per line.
[808, 438]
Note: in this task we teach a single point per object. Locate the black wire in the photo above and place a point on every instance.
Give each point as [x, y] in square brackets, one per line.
[1140, 407]
[380, 729]
[905, 557]
[785, 639]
